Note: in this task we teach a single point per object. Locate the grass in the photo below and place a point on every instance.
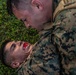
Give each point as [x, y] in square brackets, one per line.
[11, 28]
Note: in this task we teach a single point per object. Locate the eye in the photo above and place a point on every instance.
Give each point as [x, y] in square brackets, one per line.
[13, 47]
[23, 20]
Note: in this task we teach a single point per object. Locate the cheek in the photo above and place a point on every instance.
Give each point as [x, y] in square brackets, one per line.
[19, 55]
[18, 52]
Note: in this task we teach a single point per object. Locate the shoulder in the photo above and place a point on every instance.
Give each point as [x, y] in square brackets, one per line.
[65, 25]
[64, 5]
[66, 20]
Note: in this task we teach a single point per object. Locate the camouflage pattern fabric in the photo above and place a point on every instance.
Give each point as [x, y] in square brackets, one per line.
[55, 52]
[44, 59]
[64, 37]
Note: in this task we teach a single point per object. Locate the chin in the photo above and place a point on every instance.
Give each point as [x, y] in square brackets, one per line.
[39, 29]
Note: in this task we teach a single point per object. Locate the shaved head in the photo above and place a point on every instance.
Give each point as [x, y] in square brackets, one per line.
[19, 4]
[34, 13]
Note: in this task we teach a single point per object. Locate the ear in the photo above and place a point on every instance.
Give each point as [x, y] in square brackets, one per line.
[38, 4]
[15, 64]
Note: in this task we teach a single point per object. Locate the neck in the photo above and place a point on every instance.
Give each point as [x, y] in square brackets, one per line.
[27, 55]
[30, 51]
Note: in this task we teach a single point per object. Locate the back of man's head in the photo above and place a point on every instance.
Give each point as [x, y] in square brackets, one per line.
[4, 54]
[19, 4]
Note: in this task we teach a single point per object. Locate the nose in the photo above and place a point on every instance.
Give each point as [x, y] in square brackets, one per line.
[27, 25]
[18, 43]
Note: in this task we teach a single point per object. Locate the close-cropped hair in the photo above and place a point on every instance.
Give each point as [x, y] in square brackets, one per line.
[19, 4]
[9, 5]
[3, 54]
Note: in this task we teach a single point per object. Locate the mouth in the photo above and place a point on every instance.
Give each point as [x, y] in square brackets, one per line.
[26, 47]
[25, 44]
[28, 26]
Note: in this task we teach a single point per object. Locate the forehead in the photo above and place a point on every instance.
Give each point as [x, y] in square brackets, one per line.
[8, 45]
[20, 4]
[19, 13]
